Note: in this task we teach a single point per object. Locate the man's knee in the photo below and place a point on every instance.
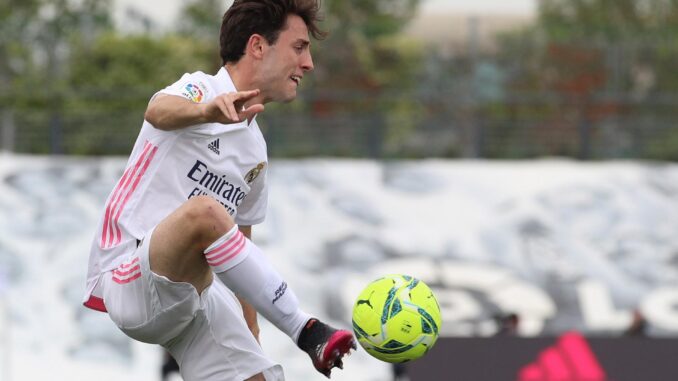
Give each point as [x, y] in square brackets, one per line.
[207, 215]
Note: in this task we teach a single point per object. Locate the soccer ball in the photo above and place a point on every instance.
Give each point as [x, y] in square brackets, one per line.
[396, 318]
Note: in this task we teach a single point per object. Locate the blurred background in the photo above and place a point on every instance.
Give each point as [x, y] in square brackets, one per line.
[518, 156]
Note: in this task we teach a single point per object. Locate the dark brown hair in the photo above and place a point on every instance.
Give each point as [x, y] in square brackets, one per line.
[265, 17]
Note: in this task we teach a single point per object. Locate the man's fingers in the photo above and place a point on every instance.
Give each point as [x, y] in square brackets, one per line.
[232, 112]
[250, 111]
[226, 111]
[232, 106]
[245, 95]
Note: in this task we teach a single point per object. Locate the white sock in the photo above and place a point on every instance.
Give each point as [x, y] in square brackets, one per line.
[244, 269]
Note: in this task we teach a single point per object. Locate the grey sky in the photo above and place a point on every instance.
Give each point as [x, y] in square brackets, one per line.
[514, 7]
[164, 12]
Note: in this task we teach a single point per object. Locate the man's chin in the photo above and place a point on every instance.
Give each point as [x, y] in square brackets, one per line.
[287, 98]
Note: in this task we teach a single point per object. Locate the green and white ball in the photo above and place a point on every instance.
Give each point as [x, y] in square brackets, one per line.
[396, 318]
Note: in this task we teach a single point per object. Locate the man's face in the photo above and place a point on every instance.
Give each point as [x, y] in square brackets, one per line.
[285, 62]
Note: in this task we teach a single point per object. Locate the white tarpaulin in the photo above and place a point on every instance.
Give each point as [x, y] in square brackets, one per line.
[565, 245]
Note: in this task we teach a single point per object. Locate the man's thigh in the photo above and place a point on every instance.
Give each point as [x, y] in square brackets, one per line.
[179, 241]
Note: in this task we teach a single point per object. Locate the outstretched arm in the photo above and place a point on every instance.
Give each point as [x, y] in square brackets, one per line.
[170, 112]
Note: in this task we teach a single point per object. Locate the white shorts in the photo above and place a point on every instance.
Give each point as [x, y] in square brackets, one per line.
[206, 334]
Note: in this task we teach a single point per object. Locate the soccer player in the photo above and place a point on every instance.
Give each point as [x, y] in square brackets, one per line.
[182, 211]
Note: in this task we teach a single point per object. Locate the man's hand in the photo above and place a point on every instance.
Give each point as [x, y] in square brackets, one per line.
[230, 108]
[171, 112]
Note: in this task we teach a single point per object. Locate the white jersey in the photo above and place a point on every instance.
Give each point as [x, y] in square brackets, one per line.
[225, 161]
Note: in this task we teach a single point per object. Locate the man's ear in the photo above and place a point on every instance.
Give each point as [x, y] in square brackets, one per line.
[257, 45]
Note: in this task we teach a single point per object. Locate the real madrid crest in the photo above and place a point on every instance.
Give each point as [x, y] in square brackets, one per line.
[254, 172]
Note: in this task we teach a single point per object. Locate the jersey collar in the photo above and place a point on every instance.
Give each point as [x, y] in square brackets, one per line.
[226, 85]
[225, 82]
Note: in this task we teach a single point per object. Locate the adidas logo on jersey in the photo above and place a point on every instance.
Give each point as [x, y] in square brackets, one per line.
[214, 146]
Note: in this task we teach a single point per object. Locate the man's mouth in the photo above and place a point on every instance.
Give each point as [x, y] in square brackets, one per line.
[296, 79]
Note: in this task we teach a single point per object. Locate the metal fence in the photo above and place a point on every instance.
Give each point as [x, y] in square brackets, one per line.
[438, 126]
